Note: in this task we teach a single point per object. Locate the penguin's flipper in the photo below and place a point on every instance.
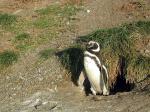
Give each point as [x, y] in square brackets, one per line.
[105, 77]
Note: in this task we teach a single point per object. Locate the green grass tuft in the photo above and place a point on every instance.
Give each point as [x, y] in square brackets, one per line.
[69, 10]
[22, 37]
[138, 68]
[65, 11]
[7, 19]
[8, 57]
[22, 41]
[45, 54]
[143, 26]
[45, 22]
[52, 9]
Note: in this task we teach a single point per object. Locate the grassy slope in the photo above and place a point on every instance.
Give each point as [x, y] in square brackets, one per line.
[122, 42]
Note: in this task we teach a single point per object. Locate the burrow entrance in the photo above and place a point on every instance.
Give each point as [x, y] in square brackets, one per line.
[121, 84]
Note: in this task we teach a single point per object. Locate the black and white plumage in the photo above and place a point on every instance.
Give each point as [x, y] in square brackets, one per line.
[96, 72]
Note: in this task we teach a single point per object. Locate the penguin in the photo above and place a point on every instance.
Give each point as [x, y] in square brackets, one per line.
[96, 72]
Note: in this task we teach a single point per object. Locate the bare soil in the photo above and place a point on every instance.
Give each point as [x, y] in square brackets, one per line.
[32, 86]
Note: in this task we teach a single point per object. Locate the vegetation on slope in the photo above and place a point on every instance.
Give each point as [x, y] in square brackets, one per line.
[122, 42]
[120, 50]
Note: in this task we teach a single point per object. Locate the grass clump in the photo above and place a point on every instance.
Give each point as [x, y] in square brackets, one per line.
[63, 11]
[45, 54]
[52, 9]
[70, 10]
[138, 67]
[8, 57]
[78, 2]
[7, 19]
[45, 22]
[22, 37]
[22, 41]
[143, 26]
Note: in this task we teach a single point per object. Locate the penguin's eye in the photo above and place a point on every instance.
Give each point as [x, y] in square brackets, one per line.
[95, 46]
[92, 46]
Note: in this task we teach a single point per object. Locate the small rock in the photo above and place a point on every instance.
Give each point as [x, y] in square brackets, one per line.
[36, 103]
[40, 78]
[44, 103]
[56, 88]
[147, 51]
[88, 11]
[51, 90]
[7, 77]
[14, 94]
[18, 11]
[68, 23]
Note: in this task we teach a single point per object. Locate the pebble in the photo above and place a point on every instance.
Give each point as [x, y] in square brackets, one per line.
[18, 11]
[44, 103]
[88, 11]
[147, 51]
[40, 78]
[37, 103]
[56, 88]
[68, 23]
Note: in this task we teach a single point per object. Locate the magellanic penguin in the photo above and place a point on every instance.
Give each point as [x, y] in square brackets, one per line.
[96, 72]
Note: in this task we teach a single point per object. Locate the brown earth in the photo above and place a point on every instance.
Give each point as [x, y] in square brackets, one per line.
[32, 86]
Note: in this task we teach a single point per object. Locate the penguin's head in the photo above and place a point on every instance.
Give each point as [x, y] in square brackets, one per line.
[93, 46]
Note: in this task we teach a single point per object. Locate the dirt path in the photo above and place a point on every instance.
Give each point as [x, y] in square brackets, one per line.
[71, 99]
[28, 89]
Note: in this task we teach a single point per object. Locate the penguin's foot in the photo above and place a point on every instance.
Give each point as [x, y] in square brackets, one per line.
[106, 93]
[93, 91]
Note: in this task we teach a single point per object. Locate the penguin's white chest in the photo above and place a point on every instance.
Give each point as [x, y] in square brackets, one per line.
[93, 73]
